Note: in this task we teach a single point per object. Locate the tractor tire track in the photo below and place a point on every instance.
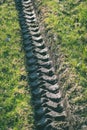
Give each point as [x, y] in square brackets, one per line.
[50, 112]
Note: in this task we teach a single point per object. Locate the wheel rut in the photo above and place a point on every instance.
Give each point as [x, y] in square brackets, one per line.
[49, 109]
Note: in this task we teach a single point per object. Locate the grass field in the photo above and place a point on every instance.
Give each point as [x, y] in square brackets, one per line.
[67, 21]
[15, 107]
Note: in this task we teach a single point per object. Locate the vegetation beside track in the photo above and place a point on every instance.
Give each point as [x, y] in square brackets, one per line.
[15, 107]
[67, 21]
[65, 24]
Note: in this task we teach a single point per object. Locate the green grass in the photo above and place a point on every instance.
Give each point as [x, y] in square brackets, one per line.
[68, 20]
[15, 107]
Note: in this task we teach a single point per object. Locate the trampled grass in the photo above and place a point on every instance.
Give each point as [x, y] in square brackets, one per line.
[68, 21]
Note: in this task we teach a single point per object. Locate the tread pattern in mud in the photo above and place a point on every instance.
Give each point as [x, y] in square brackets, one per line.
[50, 113]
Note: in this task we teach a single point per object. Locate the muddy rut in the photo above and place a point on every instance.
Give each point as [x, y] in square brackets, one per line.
[49, 109]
